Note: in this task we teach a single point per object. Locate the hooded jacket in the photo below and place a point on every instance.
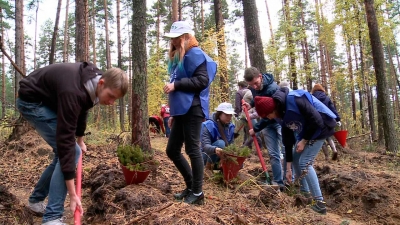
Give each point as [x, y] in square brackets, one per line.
[320, 95]
[269, 87]
[61, 88]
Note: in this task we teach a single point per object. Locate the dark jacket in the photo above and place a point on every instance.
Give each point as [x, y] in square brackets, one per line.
[320, 95]
[60, 87]
[238, 100]
[269, 87]
[313, 120]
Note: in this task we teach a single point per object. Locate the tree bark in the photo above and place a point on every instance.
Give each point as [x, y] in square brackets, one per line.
[174, 10]
[306, 54]
[3, 72]
[350, 68]
[253, 35]
[222, 62]
[379, 65]
[81, 31]
[55, 33]
[119, 45]
[66, 36]
[321, 48]
[19, 44]
[290, 46]
[140, 123]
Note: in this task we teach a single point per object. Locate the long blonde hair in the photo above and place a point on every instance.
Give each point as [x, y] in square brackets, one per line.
[187, 41]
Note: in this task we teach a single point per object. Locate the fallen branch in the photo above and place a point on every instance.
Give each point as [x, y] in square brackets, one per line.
[9, 58]
[148, 214]
[358, 136]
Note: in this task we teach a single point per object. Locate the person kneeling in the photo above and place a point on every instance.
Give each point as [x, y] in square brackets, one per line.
[216, 134]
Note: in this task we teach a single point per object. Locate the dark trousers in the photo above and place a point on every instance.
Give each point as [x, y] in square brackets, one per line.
[186, 129]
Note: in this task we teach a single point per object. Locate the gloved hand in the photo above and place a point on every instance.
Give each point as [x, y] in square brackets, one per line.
[338, 123]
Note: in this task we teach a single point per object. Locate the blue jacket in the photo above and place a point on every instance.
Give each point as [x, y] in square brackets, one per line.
[181, 101]
[300, 110]
[320, 95]
[210, 134]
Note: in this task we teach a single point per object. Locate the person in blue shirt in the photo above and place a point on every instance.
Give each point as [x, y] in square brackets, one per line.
[217, 133]
[319, 92]
[306, 123]
[191, 73]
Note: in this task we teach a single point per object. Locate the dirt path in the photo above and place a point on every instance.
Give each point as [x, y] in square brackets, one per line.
[361, 188]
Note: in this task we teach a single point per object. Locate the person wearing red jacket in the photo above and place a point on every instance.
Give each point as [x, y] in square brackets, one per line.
[165, 115]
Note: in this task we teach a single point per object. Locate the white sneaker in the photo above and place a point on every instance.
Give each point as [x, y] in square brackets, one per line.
[59, 221]
[37, 208]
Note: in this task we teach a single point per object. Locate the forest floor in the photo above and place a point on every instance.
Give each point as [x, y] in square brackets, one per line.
[362, 187]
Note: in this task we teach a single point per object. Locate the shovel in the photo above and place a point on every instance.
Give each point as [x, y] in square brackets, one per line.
[268, 179]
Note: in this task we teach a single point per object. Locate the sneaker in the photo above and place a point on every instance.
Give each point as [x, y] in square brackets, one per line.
[182, 195]
[59, 221]
[38, 208]
[319, 206]
[194, 200]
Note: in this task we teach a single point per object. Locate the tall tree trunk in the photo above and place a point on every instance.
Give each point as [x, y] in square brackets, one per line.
[174, 10]
[94, 34]
[34, 45]
[352, 79]
[393, 78]
[129, 71]
[222, 62]
[3, 72]
[276, 74]
[19, 43]
[202, 18]
[306, 54]
[119, 45]
[81, 31]
[321, 47]
[55, 33]
[140, 125]
[108, 55]
[366, 87]
[379, 65]
[290, 45]
[350, 68]
[253, 35]
[66, 36]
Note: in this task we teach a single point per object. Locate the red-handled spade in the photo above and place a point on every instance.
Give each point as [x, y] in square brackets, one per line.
[268, 181]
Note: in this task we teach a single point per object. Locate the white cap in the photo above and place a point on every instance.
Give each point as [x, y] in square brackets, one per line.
[178, 28]
[225, 108]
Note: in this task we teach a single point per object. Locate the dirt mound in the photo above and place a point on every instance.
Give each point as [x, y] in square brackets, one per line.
[11, 210]
[364, 196]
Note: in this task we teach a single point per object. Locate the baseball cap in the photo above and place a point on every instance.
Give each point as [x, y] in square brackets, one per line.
[264, 106]
[178, 28]
[225, 108]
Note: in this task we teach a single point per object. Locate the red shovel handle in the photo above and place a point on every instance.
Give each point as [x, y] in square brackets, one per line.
[254, 137]
[77, 214]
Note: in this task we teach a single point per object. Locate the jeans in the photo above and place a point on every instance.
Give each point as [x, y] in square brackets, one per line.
[186, 129]
[51, 183]
[167, 130]
[214, 158]
[303, 162]
[249, 141]
[273, 137]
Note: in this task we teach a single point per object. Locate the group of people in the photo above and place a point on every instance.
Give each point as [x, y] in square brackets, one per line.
[55, 100]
